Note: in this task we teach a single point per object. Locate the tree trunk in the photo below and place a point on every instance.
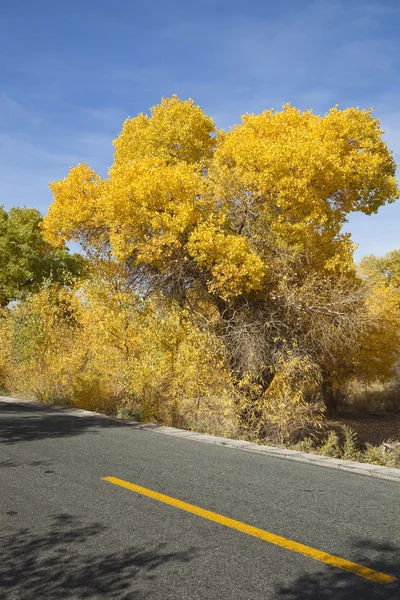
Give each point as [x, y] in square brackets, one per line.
[328, 395]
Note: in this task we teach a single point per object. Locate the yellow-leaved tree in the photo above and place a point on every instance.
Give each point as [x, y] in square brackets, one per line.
[242, 229]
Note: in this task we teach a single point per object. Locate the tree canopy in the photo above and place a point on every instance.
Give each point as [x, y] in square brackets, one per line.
[212, 208]
[246, 223]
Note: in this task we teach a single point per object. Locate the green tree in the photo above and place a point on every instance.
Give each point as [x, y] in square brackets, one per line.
[26, 260]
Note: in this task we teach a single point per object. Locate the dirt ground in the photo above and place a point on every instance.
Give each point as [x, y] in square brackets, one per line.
[370, 427]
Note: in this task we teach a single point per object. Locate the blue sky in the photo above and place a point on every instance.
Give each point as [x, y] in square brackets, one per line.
[73, 70]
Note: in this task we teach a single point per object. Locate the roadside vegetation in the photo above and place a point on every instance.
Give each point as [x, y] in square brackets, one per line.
[216, 290]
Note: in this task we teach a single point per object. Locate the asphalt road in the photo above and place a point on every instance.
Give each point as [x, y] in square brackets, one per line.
[68, 534]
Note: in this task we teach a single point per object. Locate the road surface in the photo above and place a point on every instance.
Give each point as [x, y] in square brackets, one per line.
[68, 533]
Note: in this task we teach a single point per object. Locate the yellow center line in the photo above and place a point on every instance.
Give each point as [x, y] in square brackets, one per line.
[272, 538]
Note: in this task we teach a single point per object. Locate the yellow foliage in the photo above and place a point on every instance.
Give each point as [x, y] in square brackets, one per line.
[100, 347]
[379, 349]
[176, 131]
[245, 222]
[5, 346]
[180, 377]
[304, 173]
[75, 211]
[150, 206]
[281, 411]
[234, 267]
[181, 200]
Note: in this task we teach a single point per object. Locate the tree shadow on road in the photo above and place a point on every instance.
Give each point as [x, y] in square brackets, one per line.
[334, 584]
[29, 422]
[67, 562]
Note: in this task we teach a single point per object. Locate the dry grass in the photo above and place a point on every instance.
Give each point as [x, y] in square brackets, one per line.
[340, 440]
[371, 428]
[374, 397]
